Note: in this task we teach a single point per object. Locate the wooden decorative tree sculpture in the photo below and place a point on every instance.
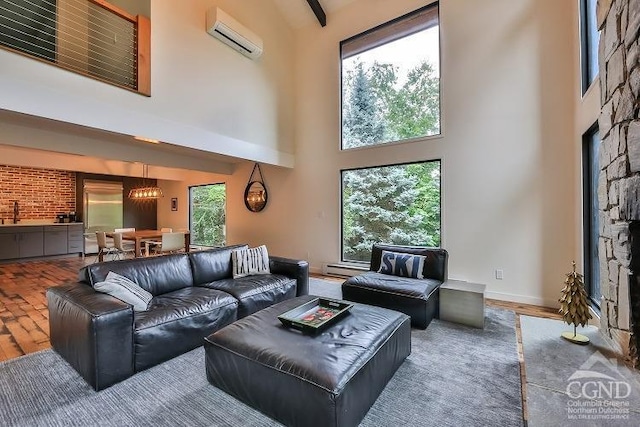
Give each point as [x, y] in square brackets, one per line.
[574, 306]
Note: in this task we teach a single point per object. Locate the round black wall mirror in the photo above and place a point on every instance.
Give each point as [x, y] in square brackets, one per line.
[255, 195]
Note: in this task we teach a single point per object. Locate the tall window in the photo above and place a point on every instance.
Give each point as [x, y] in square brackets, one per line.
[391, 81]
[590, 36]
[590, 175]
[207, 214]
[397, 204]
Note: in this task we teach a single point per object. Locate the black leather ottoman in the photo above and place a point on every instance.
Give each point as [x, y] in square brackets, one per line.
[330, 379]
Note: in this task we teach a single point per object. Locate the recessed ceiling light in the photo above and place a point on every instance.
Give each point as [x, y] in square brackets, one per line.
[142, 138]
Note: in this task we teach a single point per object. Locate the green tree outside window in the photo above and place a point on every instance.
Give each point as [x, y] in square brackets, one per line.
[208, 215]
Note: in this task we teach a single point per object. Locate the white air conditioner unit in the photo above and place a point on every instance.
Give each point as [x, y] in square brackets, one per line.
[232, 33]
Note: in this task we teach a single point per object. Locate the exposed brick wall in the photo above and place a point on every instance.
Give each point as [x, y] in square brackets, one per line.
[41, 193]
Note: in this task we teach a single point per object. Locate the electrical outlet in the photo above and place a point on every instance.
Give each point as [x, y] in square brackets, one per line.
[499, 274]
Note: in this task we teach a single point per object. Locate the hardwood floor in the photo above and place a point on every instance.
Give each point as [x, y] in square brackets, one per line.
[24, 317]
[24, 323]
[525, 309]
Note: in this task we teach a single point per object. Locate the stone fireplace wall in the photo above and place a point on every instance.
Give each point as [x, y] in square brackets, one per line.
[619, 181]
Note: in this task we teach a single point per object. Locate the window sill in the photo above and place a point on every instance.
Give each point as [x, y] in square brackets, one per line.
[395, 143]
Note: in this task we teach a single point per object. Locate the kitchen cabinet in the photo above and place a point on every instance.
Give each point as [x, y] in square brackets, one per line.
[8, 246]
[29, 241]
[21, 242]
[55, 240]
[75, 238]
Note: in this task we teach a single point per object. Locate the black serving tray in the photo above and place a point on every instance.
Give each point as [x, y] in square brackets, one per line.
[316, 315]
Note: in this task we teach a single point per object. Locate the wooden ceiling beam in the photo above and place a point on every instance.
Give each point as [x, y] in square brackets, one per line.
[317, 9]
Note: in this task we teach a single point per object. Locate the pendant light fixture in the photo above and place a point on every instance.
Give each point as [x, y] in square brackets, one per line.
[145, 192]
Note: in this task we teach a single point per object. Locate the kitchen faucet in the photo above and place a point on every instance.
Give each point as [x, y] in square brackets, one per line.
[16, 212]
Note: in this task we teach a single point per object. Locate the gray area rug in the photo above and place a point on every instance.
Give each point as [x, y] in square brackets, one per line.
[455, 376]
[575, 385]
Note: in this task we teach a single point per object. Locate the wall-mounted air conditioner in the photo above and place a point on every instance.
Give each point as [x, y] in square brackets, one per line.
[232, 33]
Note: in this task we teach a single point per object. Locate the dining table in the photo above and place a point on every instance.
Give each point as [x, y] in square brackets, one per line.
[140, 236]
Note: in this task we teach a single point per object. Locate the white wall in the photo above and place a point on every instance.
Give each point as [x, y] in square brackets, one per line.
[243, 226]
[204, 94]
[508, 148]
[92, 148]
[180, 190]
[18, 156]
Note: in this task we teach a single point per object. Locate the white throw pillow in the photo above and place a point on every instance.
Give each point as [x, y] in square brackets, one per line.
[247, 262]
[125, 290]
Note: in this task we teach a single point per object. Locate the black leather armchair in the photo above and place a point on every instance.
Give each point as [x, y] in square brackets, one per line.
[418, 298]
[194, 295]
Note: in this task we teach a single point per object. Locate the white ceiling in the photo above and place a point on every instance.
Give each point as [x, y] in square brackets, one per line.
[45, 134]
[299, 14]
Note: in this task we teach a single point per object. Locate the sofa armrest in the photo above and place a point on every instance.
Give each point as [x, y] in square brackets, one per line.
[93, 332]
[296, 269]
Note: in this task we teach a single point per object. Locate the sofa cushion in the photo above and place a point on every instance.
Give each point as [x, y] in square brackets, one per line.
[178, 321]
[157, 275]
[256, 292]
[125, 290]
[213, 264]
[405, 286]
[419, 298]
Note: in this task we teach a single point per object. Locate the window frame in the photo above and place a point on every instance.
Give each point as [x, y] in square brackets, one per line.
[587, 203]
[341, 183]
[432, 5]
[586, 49]
[189, 198]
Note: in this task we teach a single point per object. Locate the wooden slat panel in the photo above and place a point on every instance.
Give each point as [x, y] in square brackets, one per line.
[144, 55]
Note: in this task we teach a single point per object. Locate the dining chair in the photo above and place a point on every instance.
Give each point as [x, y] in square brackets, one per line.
[104, 247]
[122, 250]
[171, 242]
[128, 245]
[156, 242]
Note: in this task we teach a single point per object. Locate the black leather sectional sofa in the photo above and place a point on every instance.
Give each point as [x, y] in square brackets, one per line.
[194, 295]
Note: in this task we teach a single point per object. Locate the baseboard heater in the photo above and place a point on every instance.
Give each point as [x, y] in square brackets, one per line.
[342, 270]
